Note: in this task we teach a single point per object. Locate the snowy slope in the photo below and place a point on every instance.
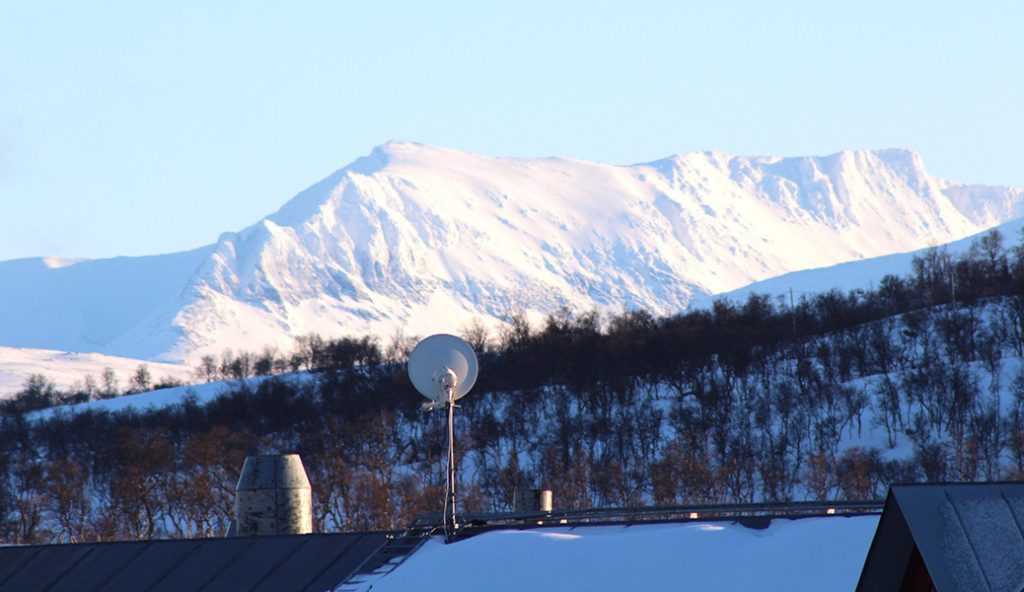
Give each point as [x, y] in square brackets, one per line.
[854, 275]
[66, 369]
[160, 399]
[85, 306]
[810, 554]
[425, 239]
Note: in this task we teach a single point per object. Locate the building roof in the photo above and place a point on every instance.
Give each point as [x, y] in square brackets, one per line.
[315, 562]
[812, 554]
[970, 536]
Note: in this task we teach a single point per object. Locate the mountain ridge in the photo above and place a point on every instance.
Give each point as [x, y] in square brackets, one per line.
[420, 239]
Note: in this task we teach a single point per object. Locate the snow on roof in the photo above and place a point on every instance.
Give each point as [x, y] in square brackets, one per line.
[969, 535]
[813, 554]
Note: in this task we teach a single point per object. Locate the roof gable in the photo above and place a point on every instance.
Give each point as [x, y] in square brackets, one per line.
[970, 536]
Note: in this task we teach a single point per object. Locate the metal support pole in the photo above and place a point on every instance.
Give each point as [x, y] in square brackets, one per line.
[450, 522]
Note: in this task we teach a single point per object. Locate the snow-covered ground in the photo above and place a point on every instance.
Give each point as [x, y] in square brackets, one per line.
[810, 554]
[66, 369]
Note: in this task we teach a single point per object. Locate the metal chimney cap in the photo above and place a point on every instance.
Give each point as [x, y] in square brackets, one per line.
[273, 471]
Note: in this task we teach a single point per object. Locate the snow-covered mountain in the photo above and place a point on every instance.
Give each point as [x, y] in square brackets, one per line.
[424, 239]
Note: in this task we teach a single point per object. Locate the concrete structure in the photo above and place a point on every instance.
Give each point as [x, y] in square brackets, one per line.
[273, 497]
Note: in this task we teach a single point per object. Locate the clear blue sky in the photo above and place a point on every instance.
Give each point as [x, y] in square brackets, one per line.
[131, 128]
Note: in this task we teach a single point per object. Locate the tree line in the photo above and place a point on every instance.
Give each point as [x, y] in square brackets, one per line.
[742, 402]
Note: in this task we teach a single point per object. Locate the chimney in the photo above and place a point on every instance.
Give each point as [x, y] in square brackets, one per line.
[273, 497]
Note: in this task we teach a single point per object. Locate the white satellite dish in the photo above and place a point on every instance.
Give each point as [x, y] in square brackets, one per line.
[441, 363]
[443, 368]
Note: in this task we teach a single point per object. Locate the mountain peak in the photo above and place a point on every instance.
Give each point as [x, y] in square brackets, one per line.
[402, 147]
[405, 151]
[397, 149]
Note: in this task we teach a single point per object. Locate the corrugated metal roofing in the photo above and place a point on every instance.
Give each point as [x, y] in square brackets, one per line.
[969, 535]
[312, 563]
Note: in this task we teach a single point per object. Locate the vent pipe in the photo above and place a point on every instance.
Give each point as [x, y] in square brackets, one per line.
[273, 496]
[533, 500]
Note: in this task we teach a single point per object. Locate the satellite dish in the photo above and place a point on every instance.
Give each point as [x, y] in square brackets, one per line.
[443, 368]
[439, 363]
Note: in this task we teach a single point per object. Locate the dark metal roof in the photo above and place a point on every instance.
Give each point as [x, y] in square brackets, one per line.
[315, 562]
[969, 535]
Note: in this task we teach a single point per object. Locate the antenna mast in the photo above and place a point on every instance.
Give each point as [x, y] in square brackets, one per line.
[447, 379]
[450, 521]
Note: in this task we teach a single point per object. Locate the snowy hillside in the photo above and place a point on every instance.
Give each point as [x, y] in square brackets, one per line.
[426, 239]
[159, 399]
[67, 369]
[854, 275]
